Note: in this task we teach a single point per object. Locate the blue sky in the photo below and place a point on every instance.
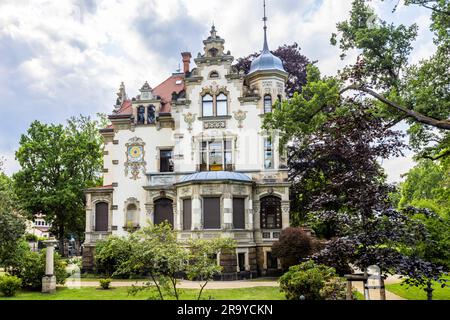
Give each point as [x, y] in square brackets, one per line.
[67, 57]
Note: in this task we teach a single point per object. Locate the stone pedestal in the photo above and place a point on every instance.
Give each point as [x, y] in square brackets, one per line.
[48, 284]
[49, 280]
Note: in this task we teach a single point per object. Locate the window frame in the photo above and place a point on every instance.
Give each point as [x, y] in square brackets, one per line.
[268, 148]
[267, 97]
[214, 104]
[209, 101]
[226, 151]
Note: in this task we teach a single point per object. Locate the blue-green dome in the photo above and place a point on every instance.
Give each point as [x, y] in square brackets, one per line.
[215, 176]
[266, 61]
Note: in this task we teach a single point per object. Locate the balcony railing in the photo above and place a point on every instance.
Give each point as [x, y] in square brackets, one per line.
[162, 179]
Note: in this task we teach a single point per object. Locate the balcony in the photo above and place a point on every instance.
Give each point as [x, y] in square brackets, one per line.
[162, 179]
[94, 236]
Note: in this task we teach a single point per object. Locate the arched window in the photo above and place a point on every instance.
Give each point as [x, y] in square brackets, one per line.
[267, 103]
[141, 115]
[163, 211]
[151, 114]
[207, 106]
[222, 105]
[101, 216]
[132, 218]
[270, 212]
[214, 75]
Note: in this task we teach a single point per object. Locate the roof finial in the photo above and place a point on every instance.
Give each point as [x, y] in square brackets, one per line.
[266, 46]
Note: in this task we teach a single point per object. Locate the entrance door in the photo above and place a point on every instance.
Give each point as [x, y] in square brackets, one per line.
[163, 211]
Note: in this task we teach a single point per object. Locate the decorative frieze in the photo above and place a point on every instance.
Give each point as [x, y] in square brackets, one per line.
[214, 125]
[135, 158]
[189, 118]
[240, 116]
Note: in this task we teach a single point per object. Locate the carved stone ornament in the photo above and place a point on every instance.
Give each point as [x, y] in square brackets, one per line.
[189, 118]
[215, 125]
[240, 116]
[135, 158]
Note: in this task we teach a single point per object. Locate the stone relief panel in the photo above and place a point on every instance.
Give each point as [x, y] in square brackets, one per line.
[135, 154]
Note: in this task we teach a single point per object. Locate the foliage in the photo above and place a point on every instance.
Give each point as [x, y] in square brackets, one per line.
[105, 283]
[31, 269]
[156, 253]
[31, 237]
[110, 254]
[12, 225]
[334, 289]
[9, 285]
[293, 62]
[415, 92]
[202, 263]
[292, 247]
[57, 164]
[308, 280]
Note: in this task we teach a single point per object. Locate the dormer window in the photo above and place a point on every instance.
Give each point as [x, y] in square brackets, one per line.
[214, 75]
[151, 114]
[207, 106]
[267, 103]
[141, 115]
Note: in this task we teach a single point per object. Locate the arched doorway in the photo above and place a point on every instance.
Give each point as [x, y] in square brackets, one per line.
[270, 212]
[163, 211]
[101, 216]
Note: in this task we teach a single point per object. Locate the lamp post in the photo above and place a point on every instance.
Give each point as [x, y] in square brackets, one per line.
[49, 280]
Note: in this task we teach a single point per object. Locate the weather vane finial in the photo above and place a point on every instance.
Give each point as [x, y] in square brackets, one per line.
[266, 46]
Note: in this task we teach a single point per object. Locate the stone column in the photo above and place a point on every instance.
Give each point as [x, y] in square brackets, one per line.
[196, 213]
[49, 280]
[250, 214]
[285, 209]
[227, 213]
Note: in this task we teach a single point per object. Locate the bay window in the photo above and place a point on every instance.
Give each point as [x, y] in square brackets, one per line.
[216, 155]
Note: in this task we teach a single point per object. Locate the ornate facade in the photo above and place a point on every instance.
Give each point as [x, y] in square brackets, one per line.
[191, 151]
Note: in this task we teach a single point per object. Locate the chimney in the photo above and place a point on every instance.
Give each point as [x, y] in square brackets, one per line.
[186, 61]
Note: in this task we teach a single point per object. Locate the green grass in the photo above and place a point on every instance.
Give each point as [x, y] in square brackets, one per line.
[414, 293]
[121, 293]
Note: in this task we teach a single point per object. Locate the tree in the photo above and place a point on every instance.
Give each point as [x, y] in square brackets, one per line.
[202, 259]
[416, 93]
[293, 245]
[338, 185]
[333, 155]
[57, 164]
[293, 61]
[156, 253]
[12, 225]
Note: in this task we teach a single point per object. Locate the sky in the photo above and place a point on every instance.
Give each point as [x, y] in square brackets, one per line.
[63, 58]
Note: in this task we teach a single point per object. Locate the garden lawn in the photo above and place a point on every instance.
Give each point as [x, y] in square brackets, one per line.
[413, 293]
[121, 293]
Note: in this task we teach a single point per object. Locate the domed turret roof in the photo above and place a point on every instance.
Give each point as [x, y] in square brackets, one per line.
[266, 61]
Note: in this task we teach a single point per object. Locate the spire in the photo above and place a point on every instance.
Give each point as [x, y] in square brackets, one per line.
[213, 31]
[266, 46]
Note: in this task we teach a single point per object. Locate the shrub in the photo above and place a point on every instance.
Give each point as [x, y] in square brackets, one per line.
[309, 280]
[9, 285]
[293, 246]
[334, 289]
[31, 237]
[110, 254]
[31, 269]
[104, 283]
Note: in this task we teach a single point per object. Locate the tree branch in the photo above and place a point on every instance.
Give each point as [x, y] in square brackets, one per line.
[442, 155]
[441, 124]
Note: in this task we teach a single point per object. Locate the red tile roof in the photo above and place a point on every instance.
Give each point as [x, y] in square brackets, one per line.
[165, 89]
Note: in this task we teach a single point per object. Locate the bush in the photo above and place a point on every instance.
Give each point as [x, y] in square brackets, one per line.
[31, 269]
[104, 283]
[110, 254]
[9, 285]
[293, 246]
[31, 237]
[334, 289]
[310, 281]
